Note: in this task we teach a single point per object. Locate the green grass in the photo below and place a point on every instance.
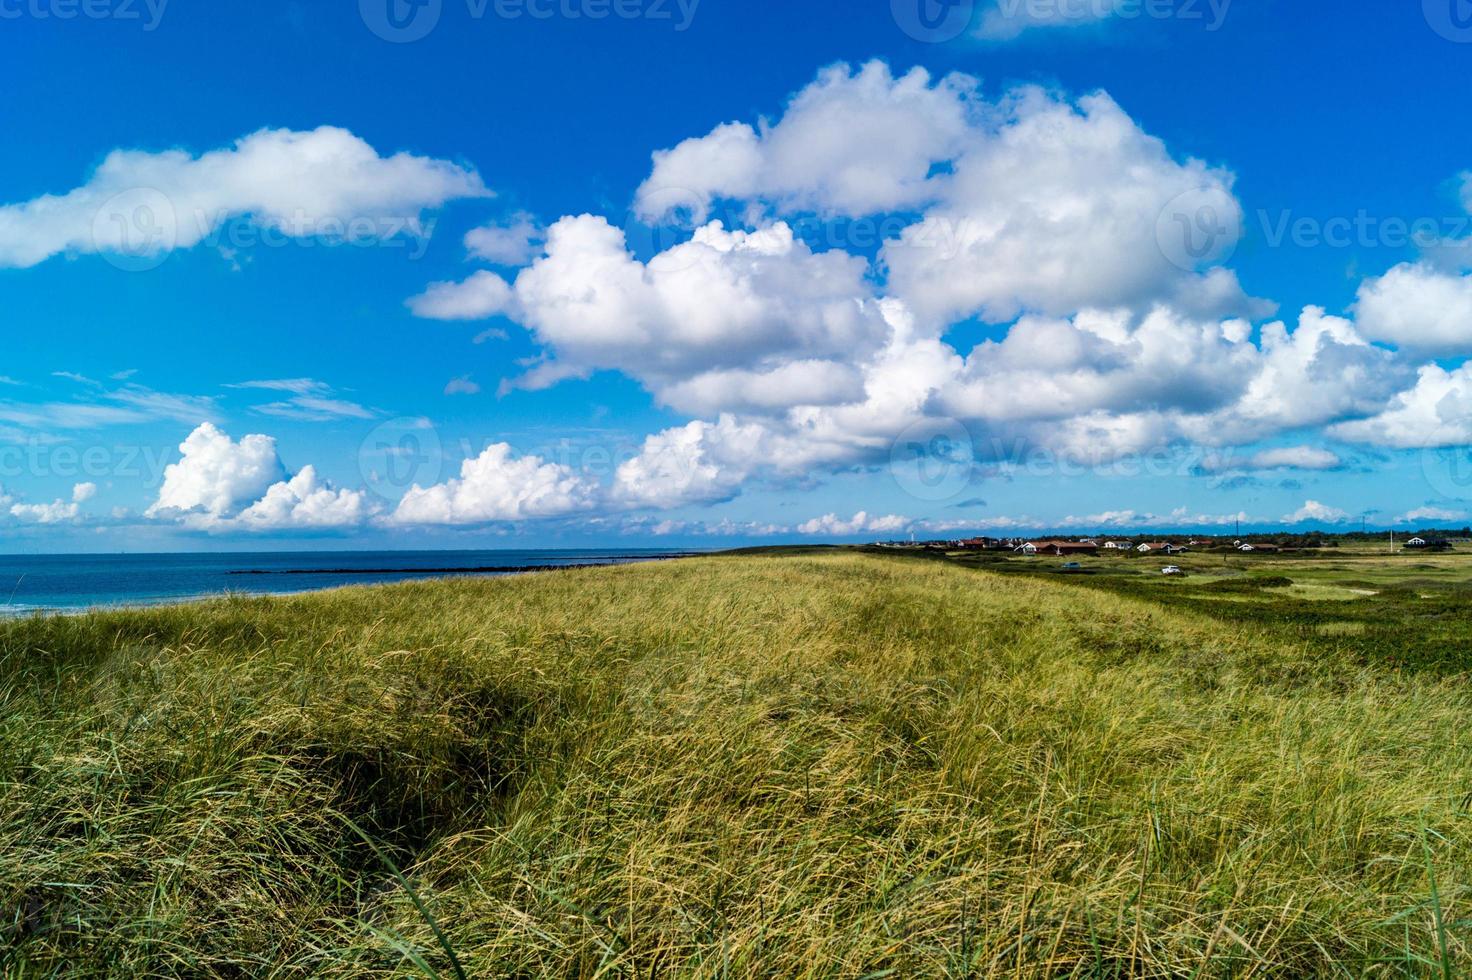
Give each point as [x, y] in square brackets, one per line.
[808, 766]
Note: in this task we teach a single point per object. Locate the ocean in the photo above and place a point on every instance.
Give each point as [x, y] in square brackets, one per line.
[67, 583]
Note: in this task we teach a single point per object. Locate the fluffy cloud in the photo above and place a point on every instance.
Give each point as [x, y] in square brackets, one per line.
[1060, 206]
[1280, 458]
[301, 184]
[1049, 370]
[1313, 512]
[833, 526]
[217, 475]
[727, 308]
[483, 295]
[695, 463]
[496, 486]
[57, 512]
[1181, 517]
[1418, 307]
[305, 502]
[1432, 515]
[851, 143]
[514, 241]
[1028, 203]
[1436, 412]
[462, 385]
[221, 485]
[1317, 373]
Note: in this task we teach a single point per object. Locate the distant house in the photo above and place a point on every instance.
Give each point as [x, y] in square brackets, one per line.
[1417, 543]
[1266, 548]
[1059, 549]
[1433, 544]
[1116, 546]
[1162, 547]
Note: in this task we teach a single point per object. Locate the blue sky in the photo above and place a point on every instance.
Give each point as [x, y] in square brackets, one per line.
[285, 275]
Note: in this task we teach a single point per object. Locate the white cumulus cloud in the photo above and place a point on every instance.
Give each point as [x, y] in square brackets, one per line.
[305, 502]
[220, 485]
[498, 486]
[1418, 307]
[1436, 412]
[1313, 512]
[56, 512]
[1434, 515]
[302, 184]
[512, 241]
[833, 526]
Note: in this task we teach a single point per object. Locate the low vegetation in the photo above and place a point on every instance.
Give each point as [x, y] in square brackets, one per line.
[806, 766]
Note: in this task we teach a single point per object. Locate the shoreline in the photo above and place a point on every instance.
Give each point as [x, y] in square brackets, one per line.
[10, 613]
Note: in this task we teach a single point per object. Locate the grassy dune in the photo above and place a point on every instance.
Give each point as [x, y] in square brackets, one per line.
[808, 766]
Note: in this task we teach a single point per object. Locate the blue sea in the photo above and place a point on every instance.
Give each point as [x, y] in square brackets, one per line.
[67, 583]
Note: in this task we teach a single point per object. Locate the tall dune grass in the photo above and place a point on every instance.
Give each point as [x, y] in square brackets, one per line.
[806, 767]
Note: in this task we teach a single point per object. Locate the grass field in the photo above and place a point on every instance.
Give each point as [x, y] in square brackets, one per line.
[808, 766]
